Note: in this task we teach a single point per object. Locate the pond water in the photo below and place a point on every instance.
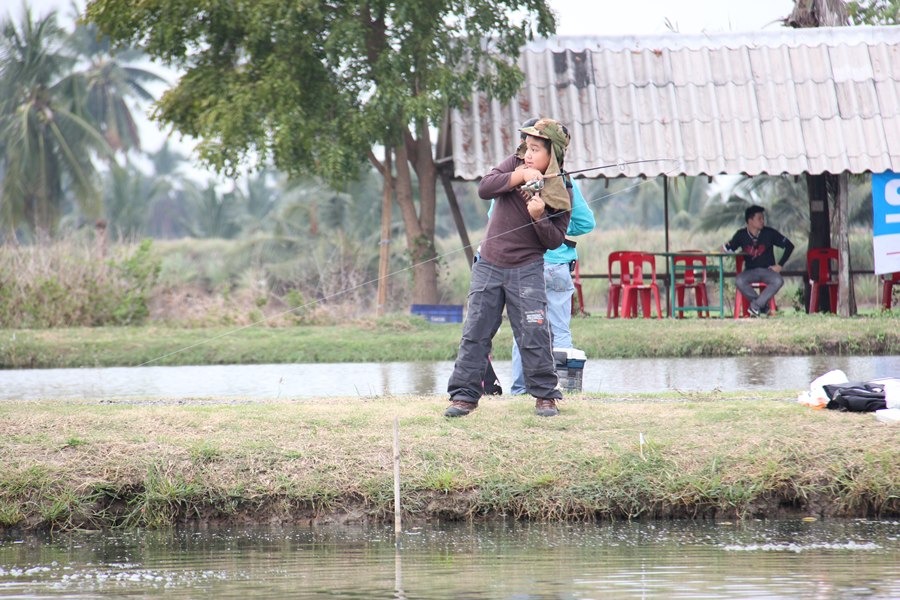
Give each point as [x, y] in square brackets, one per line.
[758, 559]
[379, 379]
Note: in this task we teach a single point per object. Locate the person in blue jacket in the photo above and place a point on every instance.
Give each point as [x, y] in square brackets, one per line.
[559, 264]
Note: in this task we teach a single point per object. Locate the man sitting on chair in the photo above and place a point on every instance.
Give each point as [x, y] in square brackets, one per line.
[757, 243]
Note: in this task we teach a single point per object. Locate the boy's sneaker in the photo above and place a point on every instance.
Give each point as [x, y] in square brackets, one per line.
[545, 407]
[458, 408]
[754, 312]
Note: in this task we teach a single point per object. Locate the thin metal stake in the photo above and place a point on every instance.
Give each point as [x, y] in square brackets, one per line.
[397, 526]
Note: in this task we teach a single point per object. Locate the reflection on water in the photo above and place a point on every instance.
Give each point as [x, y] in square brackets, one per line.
[785, 559]
[381, 379]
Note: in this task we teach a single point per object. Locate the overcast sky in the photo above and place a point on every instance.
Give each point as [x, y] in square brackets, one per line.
[575, 17]
[622, 17]
[606, 17]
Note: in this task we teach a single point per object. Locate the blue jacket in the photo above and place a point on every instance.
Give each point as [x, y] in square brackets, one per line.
[582, 222]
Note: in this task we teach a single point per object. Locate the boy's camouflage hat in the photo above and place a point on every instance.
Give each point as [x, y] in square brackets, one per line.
[554, 193]
[553, 130]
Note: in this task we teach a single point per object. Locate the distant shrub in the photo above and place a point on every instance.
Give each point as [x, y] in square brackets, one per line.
[70, 283]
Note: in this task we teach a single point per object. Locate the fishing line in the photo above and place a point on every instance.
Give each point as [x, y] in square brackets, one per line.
[620, 165]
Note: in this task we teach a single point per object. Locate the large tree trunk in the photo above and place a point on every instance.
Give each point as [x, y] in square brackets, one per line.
[846, 298]
[427, 175]
[384, 246]
[419, 241]
[821, 13]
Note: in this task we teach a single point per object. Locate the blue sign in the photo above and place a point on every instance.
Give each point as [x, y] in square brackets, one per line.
[886, 221]
[886, 202]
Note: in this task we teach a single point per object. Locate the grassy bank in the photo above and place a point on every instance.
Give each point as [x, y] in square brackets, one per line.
[150, 463]
[90, 464]
[403, 338]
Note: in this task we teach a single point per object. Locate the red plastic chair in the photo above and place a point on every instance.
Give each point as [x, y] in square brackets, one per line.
[818, 268]
[888, 281]
[640, 286]
[687, 278]
[576, 280]
[619, 274]
[741, 304]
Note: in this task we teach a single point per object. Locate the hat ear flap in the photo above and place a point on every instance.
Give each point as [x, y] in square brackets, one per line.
[555, 193]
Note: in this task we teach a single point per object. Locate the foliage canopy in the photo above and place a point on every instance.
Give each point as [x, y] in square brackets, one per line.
[874, 12]
[314, 85]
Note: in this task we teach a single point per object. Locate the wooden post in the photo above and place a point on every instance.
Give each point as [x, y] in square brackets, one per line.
[457, 217]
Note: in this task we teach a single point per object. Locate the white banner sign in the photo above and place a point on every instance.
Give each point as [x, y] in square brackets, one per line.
[886, 223]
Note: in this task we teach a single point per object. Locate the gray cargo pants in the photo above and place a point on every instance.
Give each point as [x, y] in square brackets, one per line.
[760, 301]
[522, 291]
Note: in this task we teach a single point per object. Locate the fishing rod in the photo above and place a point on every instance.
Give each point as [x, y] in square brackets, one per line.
[536, 185]
[618, 164]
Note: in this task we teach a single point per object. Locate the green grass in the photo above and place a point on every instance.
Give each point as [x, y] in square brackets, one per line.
[403, 338]
[605, 457]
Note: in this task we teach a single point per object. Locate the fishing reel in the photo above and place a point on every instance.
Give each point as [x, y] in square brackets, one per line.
[534, 186]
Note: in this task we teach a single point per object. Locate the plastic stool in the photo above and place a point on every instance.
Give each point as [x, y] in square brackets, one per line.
[741, 304]
[888, 281]
[818, 269]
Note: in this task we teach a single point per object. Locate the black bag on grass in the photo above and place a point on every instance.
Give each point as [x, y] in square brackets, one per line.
[855, 396]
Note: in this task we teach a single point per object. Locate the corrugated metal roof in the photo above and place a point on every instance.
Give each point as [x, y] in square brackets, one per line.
[782, 101]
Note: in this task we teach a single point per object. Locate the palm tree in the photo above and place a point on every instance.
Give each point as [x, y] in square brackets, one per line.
[210, 214]
[818, 13]
[128, 198]
[168, 213]
[109, 78]
[48, 140]
[688, 196]
[783, 196]
[259, 199]
[625, 202]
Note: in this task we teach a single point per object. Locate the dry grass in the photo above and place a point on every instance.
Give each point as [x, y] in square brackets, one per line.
[73, 464]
